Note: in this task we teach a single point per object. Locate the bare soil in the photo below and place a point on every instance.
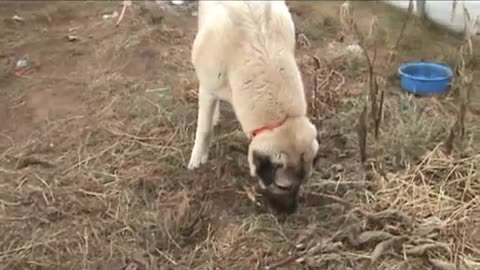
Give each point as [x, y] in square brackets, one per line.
[95, 137]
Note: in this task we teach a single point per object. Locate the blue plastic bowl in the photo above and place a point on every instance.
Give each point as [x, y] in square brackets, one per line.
[425, 78]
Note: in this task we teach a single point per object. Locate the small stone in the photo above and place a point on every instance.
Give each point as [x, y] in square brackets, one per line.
[18, 18]
[23, 66]
[300, 246]
[72, 38]
[23, 63]
[110, 16]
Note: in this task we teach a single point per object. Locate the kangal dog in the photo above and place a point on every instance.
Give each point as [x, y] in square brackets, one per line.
[244, 54]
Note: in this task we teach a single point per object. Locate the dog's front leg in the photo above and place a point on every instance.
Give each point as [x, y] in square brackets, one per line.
[207, 106]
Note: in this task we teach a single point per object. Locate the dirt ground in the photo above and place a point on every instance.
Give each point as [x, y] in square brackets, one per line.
[95, 137]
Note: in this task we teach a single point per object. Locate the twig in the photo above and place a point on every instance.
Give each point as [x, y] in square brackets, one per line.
[454, 8]
[362, 134]
[465, 50]
[101, 153]
[30, 161]
[373, 86]
[373, 26]
[126, 3]
[402, 31]
[378, 117]
[315, 86]
[281, 263]
[346, 19]
[167, 257]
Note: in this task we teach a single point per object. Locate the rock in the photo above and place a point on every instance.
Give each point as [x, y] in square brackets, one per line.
[72, 38]
[110, 16]
[18, 18]
[23, 66]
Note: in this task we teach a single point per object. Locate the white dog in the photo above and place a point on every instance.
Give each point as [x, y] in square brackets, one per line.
[244, 54]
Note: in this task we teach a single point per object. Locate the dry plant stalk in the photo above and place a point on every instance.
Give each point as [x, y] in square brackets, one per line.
[376, 107]
[458, 126]
[372, 28]
[454, 8]
[126, 3]
[315, 87]
[443, 265]
[372, 79]
[375, 112]
[362, 127]
[287, 260]
[393, 53]
[466, 78]
[346, 19]
[384, 246]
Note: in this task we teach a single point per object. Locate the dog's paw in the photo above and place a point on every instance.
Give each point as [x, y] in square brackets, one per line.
[197, 161]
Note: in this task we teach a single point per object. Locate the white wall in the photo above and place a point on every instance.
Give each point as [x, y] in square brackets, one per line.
[441, 12]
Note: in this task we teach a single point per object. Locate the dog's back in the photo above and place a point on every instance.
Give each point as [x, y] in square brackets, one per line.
[247, 23]
[244, 51]
[269, 19]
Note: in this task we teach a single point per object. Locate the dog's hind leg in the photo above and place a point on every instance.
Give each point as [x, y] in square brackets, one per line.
[207, 106]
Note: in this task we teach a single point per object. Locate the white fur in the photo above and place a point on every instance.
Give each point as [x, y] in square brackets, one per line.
[243, 54]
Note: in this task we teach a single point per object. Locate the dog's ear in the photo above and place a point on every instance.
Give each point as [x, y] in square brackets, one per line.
[317, 155]
[264, 167]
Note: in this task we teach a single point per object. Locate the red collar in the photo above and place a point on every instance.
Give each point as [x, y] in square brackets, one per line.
[267, 127]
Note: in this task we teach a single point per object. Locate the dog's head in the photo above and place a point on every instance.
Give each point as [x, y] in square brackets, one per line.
[282, 159]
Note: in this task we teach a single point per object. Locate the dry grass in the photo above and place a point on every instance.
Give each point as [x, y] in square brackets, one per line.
[108, 189]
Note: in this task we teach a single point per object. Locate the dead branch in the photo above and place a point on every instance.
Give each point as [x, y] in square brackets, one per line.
[315, 86]
[372, 81]
[402, 31]
[464, 86]
[346, 19]
[378, 117]
[422, 249]
[126, 3]
[373, 236]
[283, 262]
[362, 134]
[443, 265]
[384, 246]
